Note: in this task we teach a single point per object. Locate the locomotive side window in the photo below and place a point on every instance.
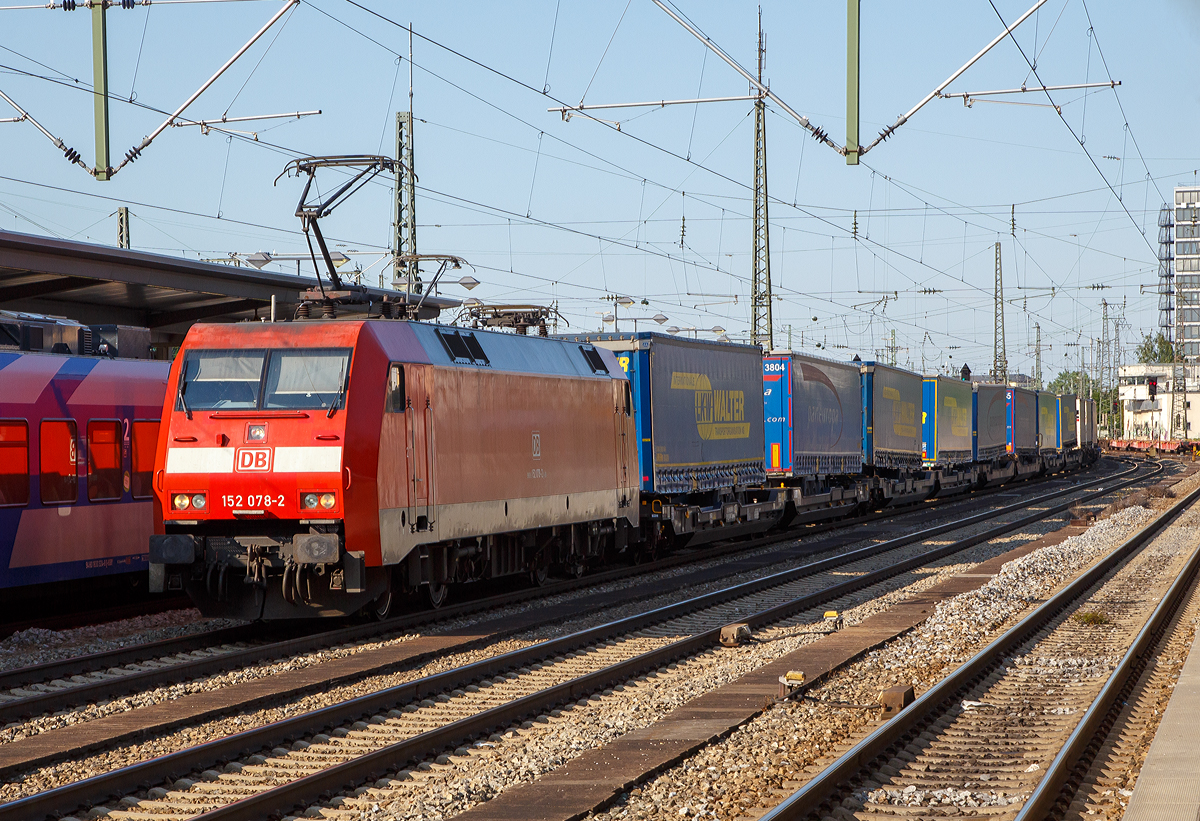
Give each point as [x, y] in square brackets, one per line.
[145, 440]
[395, 389]
[57, 443]
[213, 380]
[594, 360]
[307, 379]
[14, 462]
[104, 460]
[463, 346]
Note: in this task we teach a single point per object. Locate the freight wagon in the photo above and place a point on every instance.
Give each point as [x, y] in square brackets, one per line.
[813, 433]
[699, 413]
[989, 433]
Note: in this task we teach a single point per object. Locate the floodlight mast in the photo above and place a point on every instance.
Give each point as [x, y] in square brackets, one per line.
[311, 213]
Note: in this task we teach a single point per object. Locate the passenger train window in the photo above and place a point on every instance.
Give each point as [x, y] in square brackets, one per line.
[395, 389]
[104, 460]
[145, 440]
[14, 462]
[58, 483]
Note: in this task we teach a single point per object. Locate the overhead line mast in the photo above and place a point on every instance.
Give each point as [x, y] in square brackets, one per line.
[761, 332]
[999, 355]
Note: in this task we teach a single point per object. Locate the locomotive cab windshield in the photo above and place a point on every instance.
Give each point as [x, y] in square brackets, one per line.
[290, 379]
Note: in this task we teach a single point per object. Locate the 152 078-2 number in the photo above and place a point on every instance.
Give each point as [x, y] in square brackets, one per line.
[252, 500]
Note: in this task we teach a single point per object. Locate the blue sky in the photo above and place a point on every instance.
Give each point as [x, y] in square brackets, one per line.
[573, 211]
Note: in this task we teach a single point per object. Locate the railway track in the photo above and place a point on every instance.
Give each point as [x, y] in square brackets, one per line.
[59, 685]
[294, 761]
[1014, 731]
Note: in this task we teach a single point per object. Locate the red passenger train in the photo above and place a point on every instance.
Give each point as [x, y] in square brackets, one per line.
[77, 443]
[322, 468]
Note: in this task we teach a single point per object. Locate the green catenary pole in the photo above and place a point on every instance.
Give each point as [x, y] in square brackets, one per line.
[100, 88]
[852, 65]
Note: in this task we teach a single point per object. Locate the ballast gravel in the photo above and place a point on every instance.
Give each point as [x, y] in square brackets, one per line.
[40, 724]
[441, 790]
[748, 770]
[685, 688]
[868, 602]
[37, 646]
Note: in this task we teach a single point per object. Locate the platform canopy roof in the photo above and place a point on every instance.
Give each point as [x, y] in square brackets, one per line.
[99, 284]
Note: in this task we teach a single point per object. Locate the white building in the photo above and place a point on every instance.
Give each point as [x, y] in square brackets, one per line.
[1146, 418]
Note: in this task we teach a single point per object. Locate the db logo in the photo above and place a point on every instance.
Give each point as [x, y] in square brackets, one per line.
[253, 459]
[537, 445]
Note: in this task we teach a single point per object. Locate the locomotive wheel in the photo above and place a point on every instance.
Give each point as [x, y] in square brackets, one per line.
[538, 575]
[381, 608]
[436, 594]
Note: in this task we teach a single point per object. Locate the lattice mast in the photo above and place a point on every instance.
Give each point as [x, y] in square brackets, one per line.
[405, 274]
[123, 227]
[760, 288]
[1105, 360]
[1037, 356]
[999, 357]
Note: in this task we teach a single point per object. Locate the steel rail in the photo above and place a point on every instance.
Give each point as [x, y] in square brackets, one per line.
[810, 798]
[311, 787]
[1058, 787]
[17, 709]
[99, 788]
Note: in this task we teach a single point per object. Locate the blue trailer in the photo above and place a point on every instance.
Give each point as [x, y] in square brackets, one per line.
[703, 477]
[891, 401]
[946, 424]
[813, 418]
[989, 408]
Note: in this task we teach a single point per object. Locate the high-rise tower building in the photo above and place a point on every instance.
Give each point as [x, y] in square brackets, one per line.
[1187, 269]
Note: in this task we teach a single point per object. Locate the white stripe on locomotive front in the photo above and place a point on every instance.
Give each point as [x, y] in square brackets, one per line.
[287, 460]
[308, 460]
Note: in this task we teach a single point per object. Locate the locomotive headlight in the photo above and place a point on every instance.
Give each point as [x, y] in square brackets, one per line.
[198, 501]
[182, 501]
[310, 501]
[328, 500]
[256, 433]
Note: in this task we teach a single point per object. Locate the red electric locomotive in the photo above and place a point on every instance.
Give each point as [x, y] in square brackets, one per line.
[320, 468]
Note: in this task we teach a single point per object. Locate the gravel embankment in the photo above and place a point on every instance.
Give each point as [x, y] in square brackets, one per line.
[521, 755]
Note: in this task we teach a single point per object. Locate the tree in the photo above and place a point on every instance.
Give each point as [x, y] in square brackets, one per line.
[1065, 382]
[1155, 349]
